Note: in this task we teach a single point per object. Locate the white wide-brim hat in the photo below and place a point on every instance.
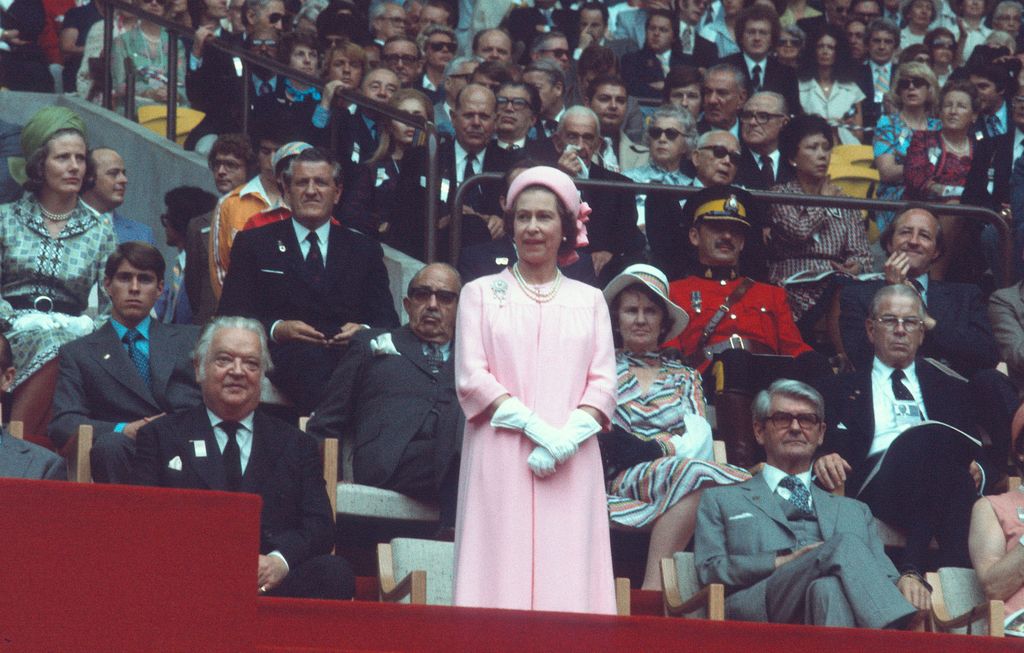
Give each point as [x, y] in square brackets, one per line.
[656, 280]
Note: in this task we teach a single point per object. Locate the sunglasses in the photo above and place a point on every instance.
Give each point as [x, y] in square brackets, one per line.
[260, 43]
[793, 43]
[407, 59]
[517, 103]
[559, 53]
[275, 17]
[721, 152]
[423, 294]
[656, 132]
[943, 44]
[911, 82]
[438, 46]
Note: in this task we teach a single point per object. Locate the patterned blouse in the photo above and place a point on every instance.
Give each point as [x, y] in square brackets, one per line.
[812, 238]
[150, 61]
[658, 415]
[892, 136]
[928, 162]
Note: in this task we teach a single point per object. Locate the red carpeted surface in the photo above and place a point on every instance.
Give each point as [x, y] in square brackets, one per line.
[295, 625]
[124, 569]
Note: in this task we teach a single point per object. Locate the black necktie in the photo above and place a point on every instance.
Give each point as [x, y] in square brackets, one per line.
[232, 456]
[919, 287]
[899, 390]
[314, 261]
[265, 88]
[767, 176]
[468, 171]
[755, 77]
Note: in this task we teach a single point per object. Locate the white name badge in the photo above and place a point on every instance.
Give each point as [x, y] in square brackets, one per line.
[906, 413]
[200, 448]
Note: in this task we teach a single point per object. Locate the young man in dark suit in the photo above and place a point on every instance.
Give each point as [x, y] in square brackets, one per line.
[226, 444]
[128, 372]
[757, 31]
[311, 283]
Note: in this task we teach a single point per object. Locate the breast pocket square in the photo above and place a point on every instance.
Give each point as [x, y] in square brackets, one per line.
[742, 515]
[842, 427]
[175, 464]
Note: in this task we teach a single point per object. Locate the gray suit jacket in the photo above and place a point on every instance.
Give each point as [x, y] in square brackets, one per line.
[20, 459]
[99, 385]
[741, 528]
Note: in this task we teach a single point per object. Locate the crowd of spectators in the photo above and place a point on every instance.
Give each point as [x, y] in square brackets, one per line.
[727, 97]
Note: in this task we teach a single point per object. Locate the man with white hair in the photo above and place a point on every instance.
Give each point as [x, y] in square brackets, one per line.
[387, 20]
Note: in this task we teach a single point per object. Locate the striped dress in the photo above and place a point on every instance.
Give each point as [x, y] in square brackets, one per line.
[641, 493]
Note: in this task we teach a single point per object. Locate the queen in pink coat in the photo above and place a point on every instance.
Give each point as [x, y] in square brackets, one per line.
[536, 379]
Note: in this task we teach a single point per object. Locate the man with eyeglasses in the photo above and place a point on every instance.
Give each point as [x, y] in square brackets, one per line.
[875, 77]
[518, 104]
[403, 57]
[438, 44]
[898, 437]
[262, 14]
[262, 41]
[837, 12]
[757, 30]
[865, 11]
[761, 120]
[615, 240]
[789, 551]
[525, 23]
[394, 392]
[387, 20]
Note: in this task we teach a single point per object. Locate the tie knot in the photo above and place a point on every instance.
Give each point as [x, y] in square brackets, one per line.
[898, 375]
[312, 238]
[231, 428]
[792, 483]
[131, 336]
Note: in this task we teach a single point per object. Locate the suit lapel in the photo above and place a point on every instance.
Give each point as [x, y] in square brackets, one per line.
[337, 256]
[409, 346]
[262, 456]
[210, 468]
[161, 362]
[827, 509]
[112, 357]
[763, 499]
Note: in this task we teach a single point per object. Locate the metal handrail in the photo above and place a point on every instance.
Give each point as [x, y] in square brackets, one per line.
[248, 59]
[962, 210]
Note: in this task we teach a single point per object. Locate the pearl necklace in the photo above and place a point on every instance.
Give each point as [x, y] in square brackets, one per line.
[534, 294]
[56, 217]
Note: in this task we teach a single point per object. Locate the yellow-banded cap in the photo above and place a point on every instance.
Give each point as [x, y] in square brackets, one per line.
[722, 208]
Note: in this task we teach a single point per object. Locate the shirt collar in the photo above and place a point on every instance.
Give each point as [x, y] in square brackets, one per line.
[254, 187]
[773, 476]
[751, 63]
[246, 421]
[323, 232]
[880, 370]
[142, 328]
[521, 143]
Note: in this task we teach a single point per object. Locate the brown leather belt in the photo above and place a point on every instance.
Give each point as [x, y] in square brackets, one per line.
[736, 342]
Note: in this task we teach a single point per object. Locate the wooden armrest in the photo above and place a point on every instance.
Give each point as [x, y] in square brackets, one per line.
[77, 453]
[994, 611]
[414, 585]
[329, 453]
[711, 596]
[623, 607]
[17, 429]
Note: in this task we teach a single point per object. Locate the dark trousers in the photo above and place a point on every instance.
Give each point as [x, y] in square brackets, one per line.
[111, 457]
[302, 370]
[421, 474]
[321, 577]
[924, 488]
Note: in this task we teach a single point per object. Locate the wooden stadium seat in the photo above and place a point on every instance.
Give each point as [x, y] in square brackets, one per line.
[959, 604]
[682, 593]
[154, 118]
[855, 181]
[411, 570]
[17, 429]
[77, 453]
[854, 155]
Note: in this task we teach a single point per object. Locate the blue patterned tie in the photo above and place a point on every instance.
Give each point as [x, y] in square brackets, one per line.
[140, 360]
[799, 495]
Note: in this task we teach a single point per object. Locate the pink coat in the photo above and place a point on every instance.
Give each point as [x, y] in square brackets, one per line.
[523, 542]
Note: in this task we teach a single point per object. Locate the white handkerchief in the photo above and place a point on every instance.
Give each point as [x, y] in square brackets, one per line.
[742, 515]
[841, 426]
[383, 346]
[175, 464]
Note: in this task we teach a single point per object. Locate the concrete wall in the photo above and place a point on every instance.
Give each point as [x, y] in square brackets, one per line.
[155, 165]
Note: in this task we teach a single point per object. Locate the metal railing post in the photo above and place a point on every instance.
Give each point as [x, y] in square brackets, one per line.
[129, 88]
[246, 100]
[172, 86]
[433, 192]
[108, 58]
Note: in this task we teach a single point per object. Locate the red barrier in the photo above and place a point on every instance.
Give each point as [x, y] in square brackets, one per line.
[116, 568]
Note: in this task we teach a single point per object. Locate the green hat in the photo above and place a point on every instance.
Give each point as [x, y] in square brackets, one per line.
[37, 131]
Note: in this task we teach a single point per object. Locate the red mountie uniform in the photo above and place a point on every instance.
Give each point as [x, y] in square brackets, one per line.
[762, 315]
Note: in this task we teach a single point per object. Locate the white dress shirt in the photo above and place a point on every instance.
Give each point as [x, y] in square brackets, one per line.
[887, 427]
[773, 476]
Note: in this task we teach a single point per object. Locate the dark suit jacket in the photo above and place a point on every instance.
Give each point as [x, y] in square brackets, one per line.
[409, 215]
[870, 110]
[848, 403]
[988, 181]
[749, 173]
[642, 68]
[774, 77]
[962, 336]
[20, 459]
[284, 469]
[214, 89]
[197, 270]
[741, 528]
[98, 385]
[522, 24]
[384, 400]
[266, 280]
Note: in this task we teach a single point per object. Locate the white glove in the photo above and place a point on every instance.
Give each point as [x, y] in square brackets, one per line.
[696, 443]
[541, 462]
[513, 414]
[580, 426]
[81, 325]
[33, 321]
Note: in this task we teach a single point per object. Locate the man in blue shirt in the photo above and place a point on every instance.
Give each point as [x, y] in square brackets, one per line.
[127, 373]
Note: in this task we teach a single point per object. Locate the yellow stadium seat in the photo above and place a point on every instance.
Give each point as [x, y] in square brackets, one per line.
[855, 181]
[154, 118]
[857, 155]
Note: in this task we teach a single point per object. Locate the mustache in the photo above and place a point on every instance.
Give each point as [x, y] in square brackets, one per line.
[722, 242]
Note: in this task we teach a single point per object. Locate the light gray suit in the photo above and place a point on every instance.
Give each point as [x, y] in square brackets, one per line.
[847, 581]
[97, 384]
[20, 459]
